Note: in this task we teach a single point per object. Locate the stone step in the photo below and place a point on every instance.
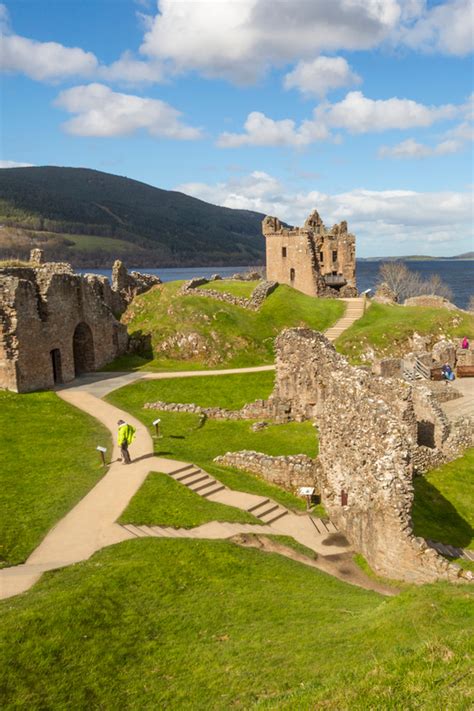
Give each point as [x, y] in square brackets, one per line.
[183, 477]
[262, 514]
[136, 530]
[158, 531]
[331, 527]
[148, 531]
[468, 555]
[319, 526]
[279, 515]
[171, 532]
[256, 506]
[182, 469]
[201, 487]
[205, 494]
[197, 480]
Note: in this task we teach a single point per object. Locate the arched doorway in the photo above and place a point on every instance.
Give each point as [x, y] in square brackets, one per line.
[83, 349]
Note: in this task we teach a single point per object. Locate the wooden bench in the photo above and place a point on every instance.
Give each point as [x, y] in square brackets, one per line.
[465, 371]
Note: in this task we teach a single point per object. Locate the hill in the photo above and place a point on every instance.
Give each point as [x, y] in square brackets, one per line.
[177, 332]
[419, 258]
[88, 218]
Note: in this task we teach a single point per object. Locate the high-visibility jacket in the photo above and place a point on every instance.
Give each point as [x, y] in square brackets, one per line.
[126, 434]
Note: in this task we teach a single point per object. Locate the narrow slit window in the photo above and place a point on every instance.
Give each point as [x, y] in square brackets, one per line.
[334, 255]
[283, 251]
[321, 257]
[292, 274]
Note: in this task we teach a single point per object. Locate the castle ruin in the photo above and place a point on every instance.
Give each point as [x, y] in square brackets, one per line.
[311, 259]
[56, 325]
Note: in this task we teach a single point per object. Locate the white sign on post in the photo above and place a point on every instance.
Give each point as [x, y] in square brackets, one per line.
[306, 490]
[101, 449]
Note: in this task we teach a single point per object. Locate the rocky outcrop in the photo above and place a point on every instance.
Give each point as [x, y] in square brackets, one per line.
[431, 301]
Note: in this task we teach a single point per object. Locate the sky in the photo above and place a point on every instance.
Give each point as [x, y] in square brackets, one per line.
[361, 109]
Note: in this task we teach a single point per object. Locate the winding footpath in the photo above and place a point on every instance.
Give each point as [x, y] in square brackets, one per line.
[91, 524]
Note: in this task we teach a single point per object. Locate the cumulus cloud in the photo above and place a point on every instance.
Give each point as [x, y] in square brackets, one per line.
[446, 28]
[44, 61]
[318, 76]
[374, 216]
[355, 114]
[14, 164]
[129, 70]
[103, 112]
[194, 34]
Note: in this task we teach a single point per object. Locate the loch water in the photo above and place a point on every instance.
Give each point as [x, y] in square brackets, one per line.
[457, 274]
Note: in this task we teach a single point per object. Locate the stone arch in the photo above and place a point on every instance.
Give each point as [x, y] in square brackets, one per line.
[83, 349]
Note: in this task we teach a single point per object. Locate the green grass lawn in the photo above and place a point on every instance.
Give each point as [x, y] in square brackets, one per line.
[443, 508]
[229, 391]
[184, 624]
[162, 501]
[387, 329]
[233, 336]
[183, 438]
[49, 463]
[243, 289]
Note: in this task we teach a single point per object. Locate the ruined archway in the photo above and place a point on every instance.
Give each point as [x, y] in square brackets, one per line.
[83, 349]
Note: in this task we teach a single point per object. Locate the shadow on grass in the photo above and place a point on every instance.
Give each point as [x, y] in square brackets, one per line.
[435, 517]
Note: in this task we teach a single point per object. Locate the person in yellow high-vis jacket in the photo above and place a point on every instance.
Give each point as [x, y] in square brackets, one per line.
[126, 435]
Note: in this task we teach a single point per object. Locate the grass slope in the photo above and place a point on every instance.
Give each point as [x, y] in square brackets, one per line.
[154, 624]
[387, 329]
[48, 464]
[224, 335]
[162, 501]
[443, 508]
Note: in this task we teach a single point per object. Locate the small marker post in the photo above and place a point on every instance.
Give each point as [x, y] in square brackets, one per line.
[157, 426]
[102, 451]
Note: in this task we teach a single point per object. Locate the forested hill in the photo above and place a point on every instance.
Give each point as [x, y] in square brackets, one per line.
[89, 217]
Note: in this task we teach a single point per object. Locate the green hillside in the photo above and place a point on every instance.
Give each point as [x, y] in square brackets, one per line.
[89, 218]
[185, 332]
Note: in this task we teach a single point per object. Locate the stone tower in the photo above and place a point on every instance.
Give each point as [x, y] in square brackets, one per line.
[314, 260]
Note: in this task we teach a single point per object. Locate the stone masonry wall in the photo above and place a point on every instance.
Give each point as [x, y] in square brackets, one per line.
[368, 432]
[314, 260]
[288, 472]
[258, 296]
[55, 324]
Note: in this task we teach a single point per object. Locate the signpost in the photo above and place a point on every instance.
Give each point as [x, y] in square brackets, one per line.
[102, 451]
[157, 426]
[307, 492]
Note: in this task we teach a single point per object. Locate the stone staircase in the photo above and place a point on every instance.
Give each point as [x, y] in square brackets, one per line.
[451, 551]
[353, 312]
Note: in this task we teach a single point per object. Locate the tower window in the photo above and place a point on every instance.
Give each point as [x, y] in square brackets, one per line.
[321, 257]
[334, 255]
[292, 274]
[283, 251]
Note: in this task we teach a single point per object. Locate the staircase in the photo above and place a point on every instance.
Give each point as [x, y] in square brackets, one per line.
[419, 371]
[451, 551]
[353, 312]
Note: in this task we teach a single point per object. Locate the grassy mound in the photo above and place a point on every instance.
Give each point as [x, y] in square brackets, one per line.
[184, 624]
[201, 332]
[48, 464]
[385, 330]
[162, 501]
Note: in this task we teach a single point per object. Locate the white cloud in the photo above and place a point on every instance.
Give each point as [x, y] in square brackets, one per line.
[129, 70]
[446, 28]
[263, 131]
[318, 76]
[411, 149]
[240, 39]
[44, 61]
[358, 114]
[374, 216]
[103, 112]
[14, 163]
[355, 113]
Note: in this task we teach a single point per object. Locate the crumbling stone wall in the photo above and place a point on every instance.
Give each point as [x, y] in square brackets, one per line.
[250, 411]
[368, 433]
[126, 285]
[55, 324]
[288, 472]
[314, 260]
[258, 296]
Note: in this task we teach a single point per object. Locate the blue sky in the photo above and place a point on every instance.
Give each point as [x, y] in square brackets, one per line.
[361, 109]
